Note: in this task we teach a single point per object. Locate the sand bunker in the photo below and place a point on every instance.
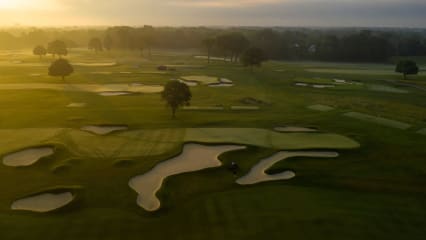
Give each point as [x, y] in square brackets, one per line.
[202, 79]
[106, 64]
[35, 75]
[294, 129]
[257, 173]
[76, 105]
[378, 120]
[245, 108]
[302, 84]
[104, 130]
[205, 108]
[126, 72]
[42, 203]
[223, 82]
[194, 157]
[189, 83]
[322, 108]
[27, 157]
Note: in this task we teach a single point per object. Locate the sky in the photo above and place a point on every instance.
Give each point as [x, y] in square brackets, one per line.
[313, 13]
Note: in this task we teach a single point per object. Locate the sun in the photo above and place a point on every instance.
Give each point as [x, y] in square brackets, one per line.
[8, 4]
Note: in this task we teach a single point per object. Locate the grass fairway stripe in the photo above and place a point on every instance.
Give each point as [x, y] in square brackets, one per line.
[322, 108]
[378, 120]
[422, 131]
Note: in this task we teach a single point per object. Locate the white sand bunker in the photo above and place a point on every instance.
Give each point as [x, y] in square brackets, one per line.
[189, 83]
[257, 173]
[294, 129]
[76, 105]
[42, 203]
[223, 82]
[104, 130]
[27, 157]
[194, 157]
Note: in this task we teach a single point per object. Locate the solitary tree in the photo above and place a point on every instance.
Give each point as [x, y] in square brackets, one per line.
[407, 67]
[176, 94]
[40, 51]
[209, 43]
[96, 45]
[57, 47]
[253, 57]
[60, 68]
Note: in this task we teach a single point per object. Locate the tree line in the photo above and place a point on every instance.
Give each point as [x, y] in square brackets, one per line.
[328, 44]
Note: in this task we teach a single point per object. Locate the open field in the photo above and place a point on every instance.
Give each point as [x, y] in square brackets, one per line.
[372, 185]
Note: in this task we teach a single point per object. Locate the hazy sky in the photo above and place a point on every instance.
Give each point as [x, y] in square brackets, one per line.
[405, 13]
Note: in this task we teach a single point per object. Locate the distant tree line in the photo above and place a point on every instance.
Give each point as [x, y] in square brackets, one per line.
[328, 44]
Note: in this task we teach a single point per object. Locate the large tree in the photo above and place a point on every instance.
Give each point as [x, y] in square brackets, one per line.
[253, 56]
[60, 68]
[57, 47]
[208, 44]
[95, 44]
[40, 51]
[407, 67]
[176, 94]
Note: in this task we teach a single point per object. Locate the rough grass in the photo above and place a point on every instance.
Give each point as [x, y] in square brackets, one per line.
[372, 192]
[378, 120]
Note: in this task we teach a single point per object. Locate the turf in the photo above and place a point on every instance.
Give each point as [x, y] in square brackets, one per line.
[378, 120]
[375, 191]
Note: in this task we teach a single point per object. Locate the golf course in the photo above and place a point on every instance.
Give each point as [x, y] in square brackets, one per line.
[325, 150]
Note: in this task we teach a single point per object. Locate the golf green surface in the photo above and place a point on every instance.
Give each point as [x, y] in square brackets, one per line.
[374, 189]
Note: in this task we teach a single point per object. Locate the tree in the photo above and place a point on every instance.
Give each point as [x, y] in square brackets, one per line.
[253, 57]
[60, 68]
[407, 67]
[57, 47]
[209, 43]
[176, 94]
[96, 45]
[108, 42]
[40, 51]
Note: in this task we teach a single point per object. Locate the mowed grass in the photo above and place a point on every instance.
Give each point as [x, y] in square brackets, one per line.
[372, 192]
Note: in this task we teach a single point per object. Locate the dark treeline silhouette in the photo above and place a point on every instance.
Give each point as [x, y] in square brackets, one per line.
[326, 44]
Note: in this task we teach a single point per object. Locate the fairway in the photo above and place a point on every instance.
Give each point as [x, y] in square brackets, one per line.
[99, 156]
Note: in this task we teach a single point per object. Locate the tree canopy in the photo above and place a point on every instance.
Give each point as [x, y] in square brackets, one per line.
[176, 94]
[253, 56]
[407, 67]
[40, 51]
[60, 68]
[95, 44]
[57, 47]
